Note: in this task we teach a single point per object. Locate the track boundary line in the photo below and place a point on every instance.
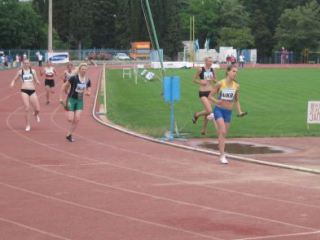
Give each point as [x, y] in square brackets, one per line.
[32, 228]
[107, 212]
[175, 181]
[140, 193]
[280, 235]
[157, 197]
[148, 138]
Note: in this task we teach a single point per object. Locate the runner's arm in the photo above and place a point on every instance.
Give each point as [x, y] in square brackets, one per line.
[197, 80]
[237, 103]
[214, 90]
[34, 73]
[88, 90]
[15, 78]
[65, 86]
[213, 79]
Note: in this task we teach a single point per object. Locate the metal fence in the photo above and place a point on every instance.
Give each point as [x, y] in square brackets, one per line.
[112, 55]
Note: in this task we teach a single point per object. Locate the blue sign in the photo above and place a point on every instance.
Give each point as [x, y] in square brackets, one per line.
[171, 93]
[58, 57]
[171, 88]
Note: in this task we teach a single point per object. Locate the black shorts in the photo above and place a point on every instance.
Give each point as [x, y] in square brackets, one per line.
[28, 91]
[204, 94]
[49, 82]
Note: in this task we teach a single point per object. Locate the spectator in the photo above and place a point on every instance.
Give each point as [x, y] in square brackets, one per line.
[17, 60]
[241, 60]
[283, 55]
[40, 59]
[233, 60]
[228, 59]
[10, 60]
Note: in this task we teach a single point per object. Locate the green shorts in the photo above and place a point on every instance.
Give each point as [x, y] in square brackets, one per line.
[75, 104]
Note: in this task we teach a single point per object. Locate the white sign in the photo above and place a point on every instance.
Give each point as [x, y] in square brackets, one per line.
[313, 112]
[58, 57]
[150, 75]
[171, 64]
[180, 65]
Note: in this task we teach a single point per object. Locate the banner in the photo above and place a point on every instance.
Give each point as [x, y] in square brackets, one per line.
[313, 112]
[58, 57]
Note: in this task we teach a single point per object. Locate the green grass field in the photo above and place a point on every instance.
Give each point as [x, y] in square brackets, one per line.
[276, 100]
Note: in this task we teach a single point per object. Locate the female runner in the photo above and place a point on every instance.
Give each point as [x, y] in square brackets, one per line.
[29, 96]
[206, 78]
[78, 85]
[49, 72]
[227, 91]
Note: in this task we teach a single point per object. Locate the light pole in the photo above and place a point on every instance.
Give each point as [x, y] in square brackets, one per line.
[50, 27]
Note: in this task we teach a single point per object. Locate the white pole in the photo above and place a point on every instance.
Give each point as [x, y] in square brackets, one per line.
[50, 27]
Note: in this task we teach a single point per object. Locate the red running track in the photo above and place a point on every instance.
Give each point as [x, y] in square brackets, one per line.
[111, 186]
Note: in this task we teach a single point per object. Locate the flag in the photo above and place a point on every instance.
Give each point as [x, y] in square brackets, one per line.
[207, 44]
[196, 45]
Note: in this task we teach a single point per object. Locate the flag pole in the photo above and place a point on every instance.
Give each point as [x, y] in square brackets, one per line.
[153, 28]
[50, 26]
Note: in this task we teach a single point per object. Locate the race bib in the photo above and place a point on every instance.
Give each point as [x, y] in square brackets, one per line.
[207, 75]
[227, 94]
[81, 87]
[27, 77]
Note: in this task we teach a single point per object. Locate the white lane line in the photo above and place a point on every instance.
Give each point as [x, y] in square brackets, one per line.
[86, 207]
[157, 197]
[178, 181]
[33, 229]
[281, 235]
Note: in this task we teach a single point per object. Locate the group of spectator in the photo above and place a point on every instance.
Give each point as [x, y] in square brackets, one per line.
[232, 60]
[9, 60]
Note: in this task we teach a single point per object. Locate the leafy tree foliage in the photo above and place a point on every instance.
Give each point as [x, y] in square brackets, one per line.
[299, 28]
[20, 26]
[262, 24]
[234, 21]
[206, 13]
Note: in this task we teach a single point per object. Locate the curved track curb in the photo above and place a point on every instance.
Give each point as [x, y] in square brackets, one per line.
[99, 119]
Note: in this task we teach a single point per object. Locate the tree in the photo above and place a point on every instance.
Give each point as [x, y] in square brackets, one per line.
[206, 14]
[234, 22]
[122, 21]
[80, 24]
[41, 7]
[299, 28]
[239, 38]
[61, 19]
[232, 13]
[20, 26]
[103, 23]
[170, 35]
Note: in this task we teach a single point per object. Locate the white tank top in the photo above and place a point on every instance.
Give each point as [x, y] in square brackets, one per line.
[49, 71]
[27, 75]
